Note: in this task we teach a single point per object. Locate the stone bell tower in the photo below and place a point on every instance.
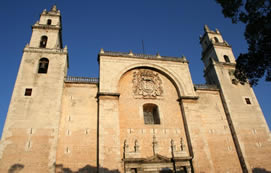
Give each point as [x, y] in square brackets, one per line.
[248, 127]
[31, 129]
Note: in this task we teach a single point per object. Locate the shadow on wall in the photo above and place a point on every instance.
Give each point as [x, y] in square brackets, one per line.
[260, 170]
[15, 168]
[85, 169]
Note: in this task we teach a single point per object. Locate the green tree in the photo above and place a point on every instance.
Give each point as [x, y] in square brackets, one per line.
[256, 63]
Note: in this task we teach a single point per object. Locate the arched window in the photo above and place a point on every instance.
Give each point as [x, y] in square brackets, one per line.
[226, 58]
[151, 114]
[49, 22]
[216, 39]
[43, 65]
[43, 41]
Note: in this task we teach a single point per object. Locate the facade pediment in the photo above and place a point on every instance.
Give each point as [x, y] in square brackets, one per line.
[157, 158]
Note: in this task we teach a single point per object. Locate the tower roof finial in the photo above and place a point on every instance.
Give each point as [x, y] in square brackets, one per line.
[206, 28]
[54, 8]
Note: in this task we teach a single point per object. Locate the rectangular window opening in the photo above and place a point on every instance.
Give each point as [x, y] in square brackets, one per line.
[248, 101]
[28, 92]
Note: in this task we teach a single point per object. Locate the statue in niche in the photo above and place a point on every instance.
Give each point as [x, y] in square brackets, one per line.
[147, 83]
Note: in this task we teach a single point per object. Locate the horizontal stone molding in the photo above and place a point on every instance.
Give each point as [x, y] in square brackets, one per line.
[206, 87]
[143, 56]
[45, 50]
[53, 27]
[188, 98]
[108, 94]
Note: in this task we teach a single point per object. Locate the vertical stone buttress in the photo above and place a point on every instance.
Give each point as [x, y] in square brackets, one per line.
[31, 129]
[245, 118]
[109, 156]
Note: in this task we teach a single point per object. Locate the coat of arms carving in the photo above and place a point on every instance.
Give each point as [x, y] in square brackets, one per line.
[147, 83]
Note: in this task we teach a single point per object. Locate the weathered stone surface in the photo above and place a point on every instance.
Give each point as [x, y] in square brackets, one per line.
[142, 114]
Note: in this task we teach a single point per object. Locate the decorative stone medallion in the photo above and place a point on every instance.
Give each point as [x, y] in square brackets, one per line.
[147, 83]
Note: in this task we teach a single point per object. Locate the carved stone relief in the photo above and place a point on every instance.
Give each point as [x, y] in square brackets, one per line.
[147, 84]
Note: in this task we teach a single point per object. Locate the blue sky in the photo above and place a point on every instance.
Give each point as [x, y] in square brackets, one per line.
[170, 27]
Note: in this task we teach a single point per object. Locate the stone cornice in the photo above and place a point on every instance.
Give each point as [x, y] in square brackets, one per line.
[52, 27]
[50, 14]
[206, 87]
[216, 63]
[212, 46]
[229, 64]
[223, 44]
[142, 56]
[188, 98]
[45, 50]
[108, 94]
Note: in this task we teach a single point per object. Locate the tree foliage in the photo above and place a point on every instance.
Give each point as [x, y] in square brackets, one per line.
[256, 63]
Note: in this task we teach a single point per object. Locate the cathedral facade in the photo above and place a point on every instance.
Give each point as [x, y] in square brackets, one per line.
[143, 113]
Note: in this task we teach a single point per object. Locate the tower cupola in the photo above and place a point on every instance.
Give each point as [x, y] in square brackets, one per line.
[215, 48]
[47, 30]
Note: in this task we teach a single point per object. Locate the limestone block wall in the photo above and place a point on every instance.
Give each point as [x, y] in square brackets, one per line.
[131, 119]
[109, 134]
[248, 120]
[212, 143]
[114, 126]
[55, 19]
[52, 34]
[113, 67]
[31, 127]
[77, 142]
[221, 51]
